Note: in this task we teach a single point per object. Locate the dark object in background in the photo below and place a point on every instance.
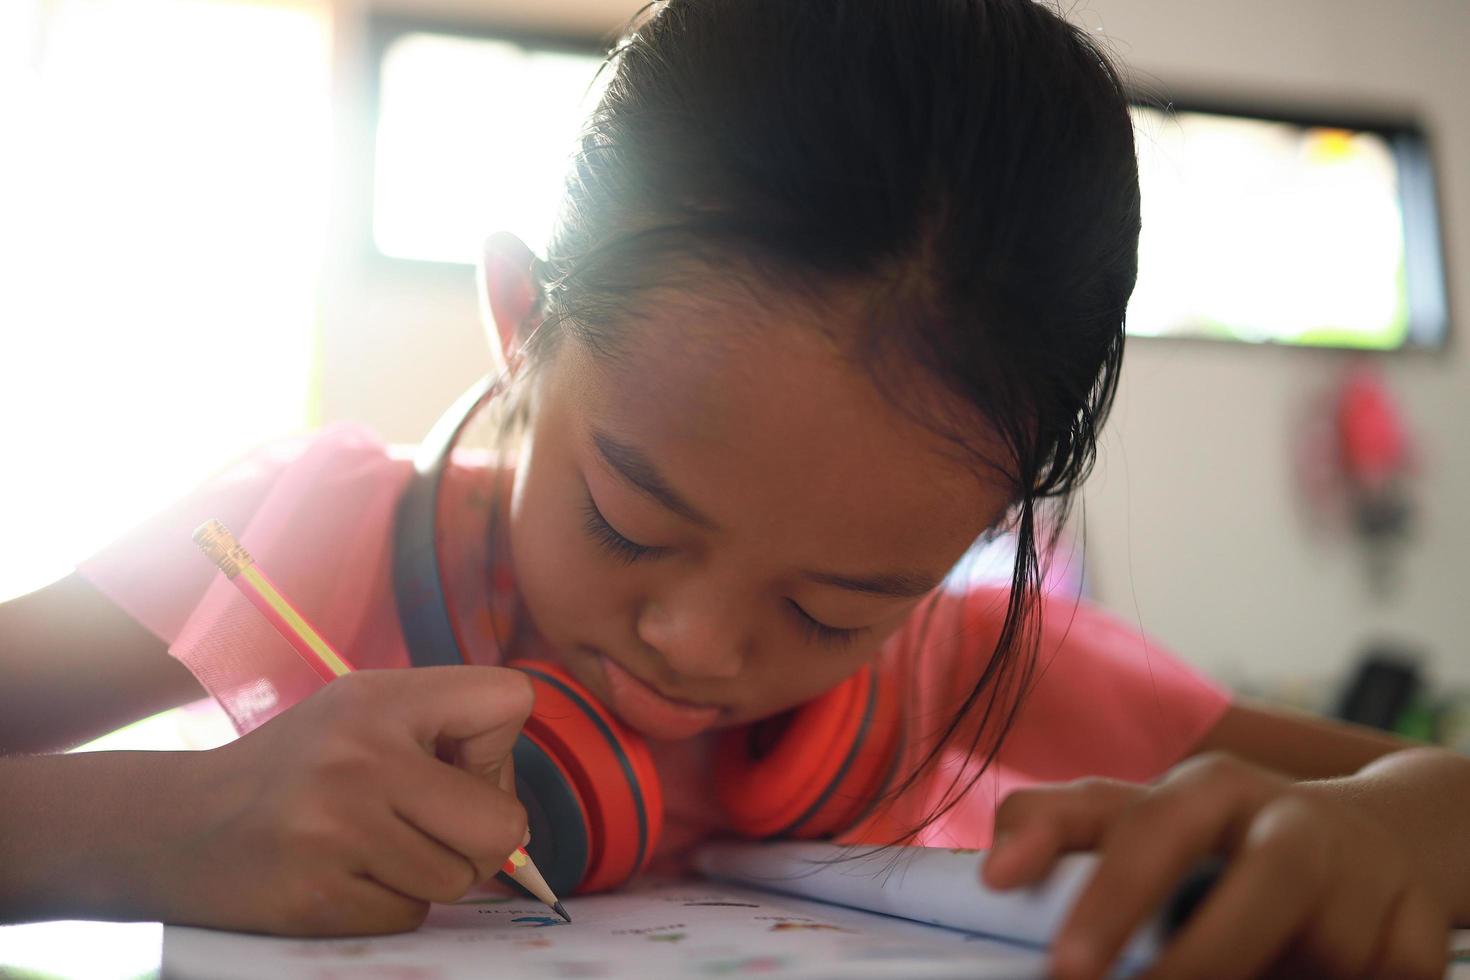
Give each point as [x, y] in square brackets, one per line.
[1383, 688]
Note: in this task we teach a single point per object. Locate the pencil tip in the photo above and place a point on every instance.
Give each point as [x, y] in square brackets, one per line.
[557, 908]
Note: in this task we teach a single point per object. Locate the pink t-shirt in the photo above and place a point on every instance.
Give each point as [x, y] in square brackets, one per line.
[317, 514]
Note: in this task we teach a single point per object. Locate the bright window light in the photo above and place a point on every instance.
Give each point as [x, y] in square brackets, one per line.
[1261, 230]
[474, 136]
[164, 187]
[1255, 229]
[80, 950]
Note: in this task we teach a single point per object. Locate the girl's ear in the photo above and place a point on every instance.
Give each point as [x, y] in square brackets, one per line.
[507, 286]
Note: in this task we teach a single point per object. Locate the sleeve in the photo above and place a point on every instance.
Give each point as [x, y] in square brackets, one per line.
[154, 572]
[1107, 700]
[317, 515]
[1103, 699]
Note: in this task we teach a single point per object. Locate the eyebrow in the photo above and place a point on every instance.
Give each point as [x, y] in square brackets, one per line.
[639, 470]
[899, 585]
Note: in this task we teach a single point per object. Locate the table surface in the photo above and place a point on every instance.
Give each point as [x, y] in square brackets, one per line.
[80, 950]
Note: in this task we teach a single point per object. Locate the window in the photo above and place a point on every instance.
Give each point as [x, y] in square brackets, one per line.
[164, 187]
[474, 135]
[1284, 230]
[1258, 227]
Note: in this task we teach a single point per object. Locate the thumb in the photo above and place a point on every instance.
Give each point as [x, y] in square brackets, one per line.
[480, 709]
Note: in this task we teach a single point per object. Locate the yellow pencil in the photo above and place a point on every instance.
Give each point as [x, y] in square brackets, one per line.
[215, 540]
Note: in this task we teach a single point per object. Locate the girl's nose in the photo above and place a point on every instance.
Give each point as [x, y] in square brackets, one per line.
[696, 633]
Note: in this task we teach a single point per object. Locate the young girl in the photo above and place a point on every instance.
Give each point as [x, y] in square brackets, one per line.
[838, 288]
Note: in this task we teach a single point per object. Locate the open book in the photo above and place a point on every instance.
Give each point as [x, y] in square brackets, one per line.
[903, 912]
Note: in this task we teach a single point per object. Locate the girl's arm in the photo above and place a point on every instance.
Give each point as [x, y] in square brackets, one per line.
[76, 667]
[1421, 793]
[1296, 744]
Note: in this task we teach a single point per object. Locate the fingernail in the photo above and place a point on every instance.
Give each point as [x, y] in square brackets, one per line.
[526, 839]
[1073, 958]
[997, 848]
[988, 865]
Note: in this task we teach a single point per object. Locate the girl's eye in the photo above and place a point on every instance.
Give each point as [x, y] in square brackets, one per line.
[611, 541]
[819, 632]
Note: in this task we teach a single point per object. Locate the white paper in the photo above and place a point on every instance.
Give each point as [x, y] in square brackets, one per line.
[652, 930]
[935, 885]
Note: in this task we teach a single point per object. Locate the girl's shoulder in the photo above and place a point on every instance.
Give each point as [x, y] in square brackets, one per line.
[154, 572]
[1100, 697]
[316, 513]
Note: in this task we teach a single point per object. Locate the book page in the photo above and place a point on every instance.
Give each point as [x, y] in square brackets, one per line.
[935, 885]
[653, 929]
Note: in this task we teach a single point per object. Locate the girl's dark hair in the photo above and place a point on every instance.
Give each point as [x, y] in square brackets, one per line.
[968, 163]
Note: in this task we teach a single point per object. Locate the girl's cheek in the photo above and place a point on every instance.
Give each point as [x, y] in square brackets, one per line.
[575, 595]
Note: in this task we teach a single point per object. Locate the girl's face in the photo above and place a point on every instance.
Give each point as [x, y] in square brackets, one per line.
[712, 528]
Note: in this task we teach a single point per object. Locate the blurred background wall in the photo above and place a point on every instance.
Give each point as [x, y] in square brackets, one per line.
[1194, 523]
[1195, 527]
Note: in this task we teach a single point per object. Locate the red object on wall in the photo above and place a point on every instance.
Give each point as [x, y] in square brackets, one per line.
[1373, 444]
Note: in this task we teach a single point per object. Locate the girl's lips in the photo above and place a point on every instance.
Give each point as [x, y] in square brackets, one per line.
[656, 716]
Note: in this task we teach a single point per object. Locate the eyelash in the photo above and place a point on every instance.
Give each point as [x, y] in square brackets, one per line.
[819, 632]
[628, 552]
[612, 542]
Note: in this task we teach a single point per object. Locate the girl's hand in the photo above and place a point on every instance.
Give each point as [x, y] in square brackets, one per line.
[353, 810]
[1310, 887]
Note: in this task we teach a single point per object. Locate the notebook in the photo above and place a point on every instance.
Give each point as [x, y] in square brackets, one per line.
[653, 929]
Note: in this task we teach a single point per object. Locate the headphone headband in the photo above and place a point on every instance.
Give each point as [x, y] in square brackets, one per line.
[425, 610]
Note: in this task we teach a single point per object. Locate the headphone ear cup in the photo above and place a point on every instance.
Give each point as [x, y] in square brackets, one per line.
[830, 759]
[587, 778]
[561, 834]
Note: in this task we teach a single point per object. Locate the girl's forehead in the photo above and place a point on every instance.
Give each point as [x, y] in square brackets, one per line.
[775, 418]
[746, 383]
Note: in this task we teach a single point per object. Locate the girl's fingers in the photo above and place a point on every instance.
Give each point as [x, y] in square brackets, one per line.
[502, 775]
[461, 811]
[1034, 827]
[1289, 894]
[406, 860]
[1414, 940]
[1146, 852]
[505, 777]
[351, 905]
[1022, 856]
[369, 907]
[1269, 889]
[481, 708]
[1344, 933]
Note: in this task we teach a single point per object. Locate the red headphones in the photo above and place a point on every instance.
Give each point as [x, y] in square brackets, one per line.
[593, 798]
[595, 803]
